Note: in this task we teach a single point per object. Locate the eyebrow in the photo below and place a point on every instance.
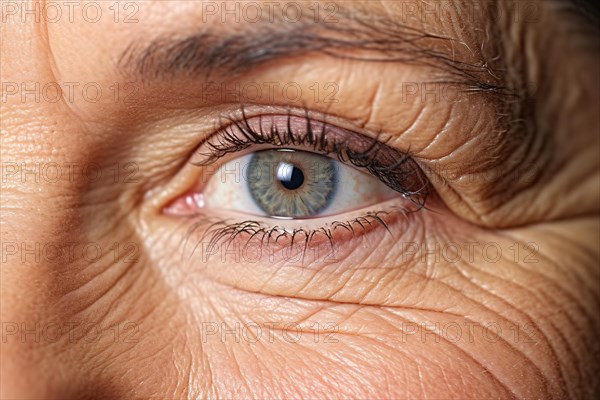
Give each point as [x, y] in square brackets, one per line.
[354, 36]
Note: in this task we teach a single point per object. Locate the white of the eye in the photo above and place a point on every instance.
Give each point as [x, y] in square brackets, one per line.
[228, 189]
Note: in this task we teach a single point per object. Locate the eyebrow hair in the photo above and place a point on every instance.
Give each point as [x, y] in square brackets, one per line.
[355, 36]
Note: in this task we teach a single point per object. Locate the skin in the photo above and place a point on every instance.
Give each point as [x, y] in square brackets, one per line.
[389, 316]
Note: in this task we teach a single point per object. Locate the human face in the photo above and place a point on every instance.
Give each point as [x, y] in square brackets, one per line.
[431, 230]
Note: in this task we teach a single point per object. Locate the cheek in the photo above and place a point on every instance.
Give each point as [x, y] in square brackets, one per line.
[411, 333]
[497, 305]
[379, 352]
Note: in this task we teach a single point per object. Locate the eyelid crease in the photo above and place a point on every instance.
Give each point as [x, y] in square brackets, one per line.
[396, 169]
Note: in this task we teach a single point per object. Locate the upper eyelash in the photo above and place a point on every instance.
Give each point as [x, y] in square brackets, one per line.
[392, 173]
[231, 143]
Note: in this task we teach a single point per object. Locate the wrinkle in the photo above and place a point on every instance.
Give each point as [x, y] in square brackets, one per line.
[44, 32]
[531, 321]
[469, 356]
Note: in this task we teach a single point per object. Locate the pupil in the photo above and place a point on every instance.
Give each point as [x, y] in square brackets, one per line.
[290, 176]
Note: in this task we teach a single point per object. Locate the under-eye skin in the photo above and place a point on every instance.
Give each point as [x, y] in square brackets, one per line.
[287, 178]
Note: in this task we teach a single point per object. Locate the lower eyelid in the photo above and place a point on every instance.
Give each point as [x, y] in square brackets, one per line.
[307, 242]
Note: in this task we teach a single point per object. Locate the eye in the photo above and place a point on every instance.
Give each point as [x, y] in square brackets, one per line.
[285, 175]
[292, 184]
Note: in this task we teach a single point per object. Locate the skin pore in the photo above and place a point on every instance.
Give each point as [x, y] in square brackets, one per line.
[109, 287]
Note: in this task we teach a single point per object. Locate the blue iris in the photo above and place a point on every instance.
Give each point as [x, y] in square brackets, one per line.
[291, 184]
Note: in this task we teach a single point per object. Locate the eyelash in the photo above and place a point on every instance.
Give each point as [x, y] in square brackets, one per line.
[368, 158]
[221, 232]
[401, 173]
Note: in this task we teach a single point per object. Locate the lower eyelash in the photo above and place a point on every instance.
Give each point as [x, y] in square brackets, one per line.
[219, 232]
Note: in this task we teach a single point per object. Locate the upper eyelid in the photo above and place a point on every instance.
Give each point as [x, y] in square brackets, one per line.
[302, 121]
[396, 169]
